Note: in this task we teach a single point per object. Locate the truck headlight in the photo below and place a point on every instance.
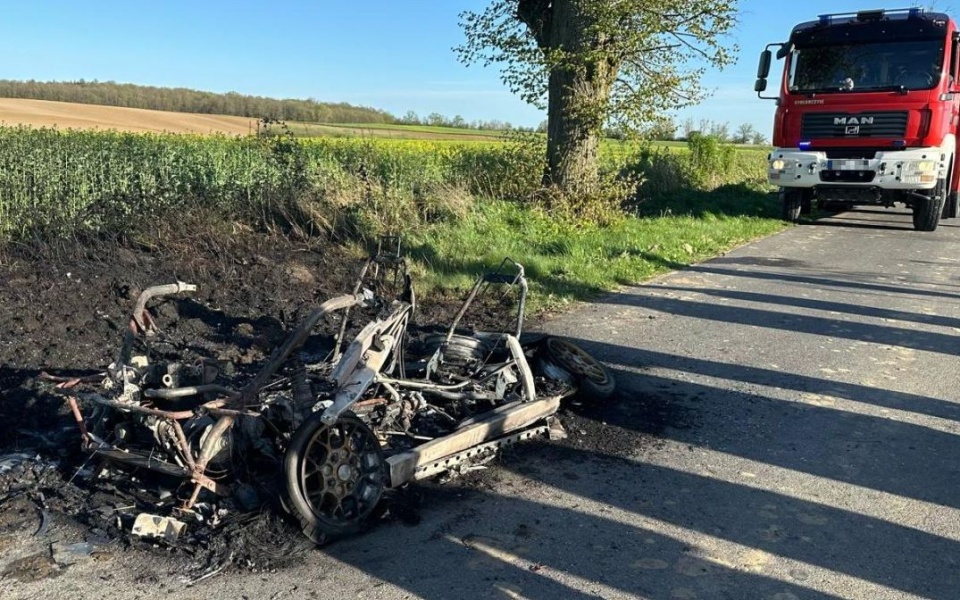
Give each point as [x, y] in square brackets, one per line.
[777, 164]
[920, 171]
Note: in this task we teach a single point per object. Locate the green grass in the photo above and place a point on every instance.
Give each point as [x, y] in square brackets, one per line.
[565, 263]
[462, 207]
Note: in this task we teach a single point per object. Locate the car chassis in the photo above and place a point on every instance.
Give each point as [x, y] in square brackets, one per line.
[397, 404]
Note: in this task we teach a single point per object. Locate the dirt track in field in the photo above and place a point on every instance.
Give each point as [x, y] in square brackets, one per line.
[67, 115]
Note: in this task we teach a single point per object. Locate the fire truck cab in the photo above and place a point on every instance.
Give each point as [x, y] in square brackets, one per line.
[867, 114]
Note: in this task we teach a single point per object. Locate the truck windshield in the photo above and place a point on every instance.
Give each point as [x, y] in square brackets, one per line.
[914, 65]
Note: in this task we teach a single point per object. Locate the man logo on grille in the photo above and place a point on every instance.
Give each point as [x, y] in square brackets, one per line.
[853, 120]
[852, 124]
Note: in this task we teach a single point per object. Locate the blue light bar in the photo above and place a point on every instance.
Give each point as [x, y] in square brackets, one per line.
[804, 145]
[900, 143]
[872, 15]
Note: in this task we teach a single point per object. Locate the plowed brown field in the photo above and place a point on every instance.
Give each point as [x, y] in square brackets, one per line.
[64, 115]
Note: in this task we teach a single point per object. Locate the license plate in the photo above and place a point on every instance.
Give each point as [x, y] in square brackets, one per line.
[845, 165]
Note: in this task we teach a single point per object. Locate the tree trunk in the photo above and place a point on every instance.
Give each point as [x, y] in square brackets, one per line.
[572, 145]
[577, 97]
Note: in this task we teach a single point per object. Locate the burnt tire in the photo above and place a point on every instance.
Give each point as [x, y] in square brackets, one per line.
[791, 203]
[460, 349]
[335, 476]
[926, 213]
[565, 361]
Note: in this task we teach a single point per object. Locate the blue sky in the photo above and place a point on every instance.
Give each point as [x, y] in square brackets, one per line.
[390, 54]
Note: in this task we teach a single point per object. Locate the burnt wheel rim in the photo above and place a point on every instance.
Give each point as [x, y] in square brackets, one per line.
[342, 472]
[577, 361]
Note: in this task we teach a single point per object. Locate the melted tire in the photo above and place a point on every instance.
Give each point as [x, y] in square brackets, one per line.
[335, 477]
[593, 380]
[461, 349]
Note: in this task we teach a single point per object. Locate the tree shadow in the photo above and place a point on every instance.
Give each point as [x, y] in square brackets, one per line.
[474, 542]
[822, 305]
[879, 219]
[906, 459]
[650, 360]
[733, 200]
[860, 546]
[793, 322]
[571, 523]
[838, 280]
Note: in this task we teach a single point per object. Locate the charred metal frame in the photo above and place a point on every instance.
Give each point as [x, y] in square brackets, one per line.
[227, 408]
[373, 358]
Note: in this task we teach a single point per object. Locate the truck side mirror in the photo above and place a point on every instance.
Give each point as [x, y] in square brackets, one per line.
[764, 69]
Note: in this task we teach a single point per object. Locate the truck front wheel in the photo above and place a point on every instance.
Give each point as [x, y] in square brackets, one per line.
[791, 202]
[926, 213]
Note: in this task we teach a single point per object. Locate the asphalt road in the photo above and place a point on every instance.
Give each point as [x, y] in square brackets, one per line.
[802, 391]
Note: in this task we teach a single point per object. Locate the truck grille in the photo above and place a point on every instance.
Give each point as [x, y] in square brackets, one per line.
[855, 125]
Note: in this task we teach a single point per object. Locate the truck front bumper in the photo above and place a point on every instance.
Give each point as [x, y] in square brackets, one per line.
[913, 169]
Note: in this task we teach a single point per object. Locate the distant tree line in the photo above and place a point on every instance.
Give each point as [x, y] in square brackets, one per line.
[667, 129]
[458, 122]
[271, 110]
[109, 93]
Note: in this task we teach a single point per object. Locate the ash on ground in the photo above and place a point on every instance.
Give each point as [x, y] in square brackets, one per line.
[63, 315]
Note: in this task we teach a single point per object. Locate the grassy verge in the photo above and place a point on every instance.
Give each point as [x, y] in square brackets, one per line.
[462, 207]
[566, 263]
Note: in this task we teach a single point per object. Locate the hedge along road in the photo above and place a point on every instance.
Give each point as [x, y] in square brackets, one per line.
[786, 427]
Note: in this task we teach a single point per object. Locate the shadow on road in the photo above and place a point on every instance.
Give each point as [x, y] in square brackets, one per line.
[863, 218]
[575, 521]
[590, 525]
[906, 459]
[481, 544]
[650, 359]
[853, 281]
[813, 533]
[795, 323]
[833, 221]
[562, 521]
[822, 305]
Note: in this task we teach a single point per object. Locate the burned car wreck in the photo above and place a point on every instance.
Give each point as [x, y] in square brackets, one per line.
[358, 400]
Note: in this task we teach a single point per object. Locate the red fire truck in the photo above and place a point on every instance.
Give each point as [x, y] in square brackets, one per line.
[867, 113]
